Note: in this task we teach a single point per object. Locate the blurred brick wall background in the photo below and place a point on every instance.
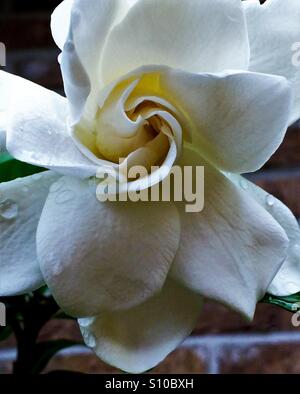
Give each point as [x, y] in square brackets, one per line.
[222, 342]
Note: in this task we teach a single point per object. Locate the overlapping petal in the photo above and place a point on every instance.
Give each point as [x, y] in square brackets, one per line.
[287, 279]
[90, 23]
[195, 36]
[37, 128]
[60, 22]
[274, 34]
[104, 256]
[138, 339]
[21, 204]
[236, 120]
[231, 251]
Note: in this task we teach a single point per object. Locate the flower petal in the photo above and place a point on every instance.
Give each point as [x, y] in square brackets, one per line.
[21, 204]
[138, 339]
[90, 23]
[274, 33]
[37, 131]
[60, 22]
[237, 120]
[287, 280]
[232, 250]
[195, 36]
[119, 253]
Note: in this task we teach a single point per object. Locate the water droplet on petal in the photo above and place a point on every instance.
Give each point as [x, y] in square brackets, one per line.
[270, 201]
[25, 189]
[69, 46]
[89, 338]
[86, 322]
[292, 288]
[244, 184]
[57, 186]
[8, 210]
[57, 269]
[64, 197]
[75, 17]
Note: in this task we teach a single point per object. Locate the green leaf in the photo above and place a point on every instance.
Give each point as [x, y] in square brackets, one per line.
[44, 351]
[290, 303]
[11, 168]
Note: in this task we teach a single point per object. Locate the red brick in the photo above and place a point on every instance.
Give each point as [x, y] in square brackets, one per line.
[183, 361]
[5, 367]
[60, 329]
[180, 361]
[216, 319]
[261, 359]
[286, 187]
[288, 154]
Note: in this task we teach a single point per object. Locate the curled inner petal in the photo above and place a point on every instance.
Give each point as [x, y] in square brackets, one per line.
[134, 127]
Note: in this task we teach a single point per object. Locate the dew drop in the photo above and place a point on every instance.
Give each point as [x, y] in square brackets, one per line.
[57, 269]
[8, 210]
[292, 288]
[89, 338]
[69, 46]
[75, 17]
[86, 322]
[56, 187]
[64, 197]
[25, 189]
[270, 201]
[244, 184]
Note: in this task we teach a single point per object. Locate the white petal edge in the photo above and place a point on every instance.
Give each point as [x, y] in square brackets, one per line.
[274, 34]
[287, 279]
[60, 22]
[231, 251]
[138, 339]
[21, 204]
[90, 23]
[120, 253]
[37, 128]
[237, 120]
[196, 36]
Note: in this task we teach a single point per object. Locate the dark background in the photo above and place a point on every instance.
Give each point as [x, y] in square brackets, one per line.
[268, 345]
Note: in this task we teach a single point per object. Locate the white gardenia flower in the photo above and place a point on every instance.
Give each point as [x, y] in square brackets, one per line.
[148, 81]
